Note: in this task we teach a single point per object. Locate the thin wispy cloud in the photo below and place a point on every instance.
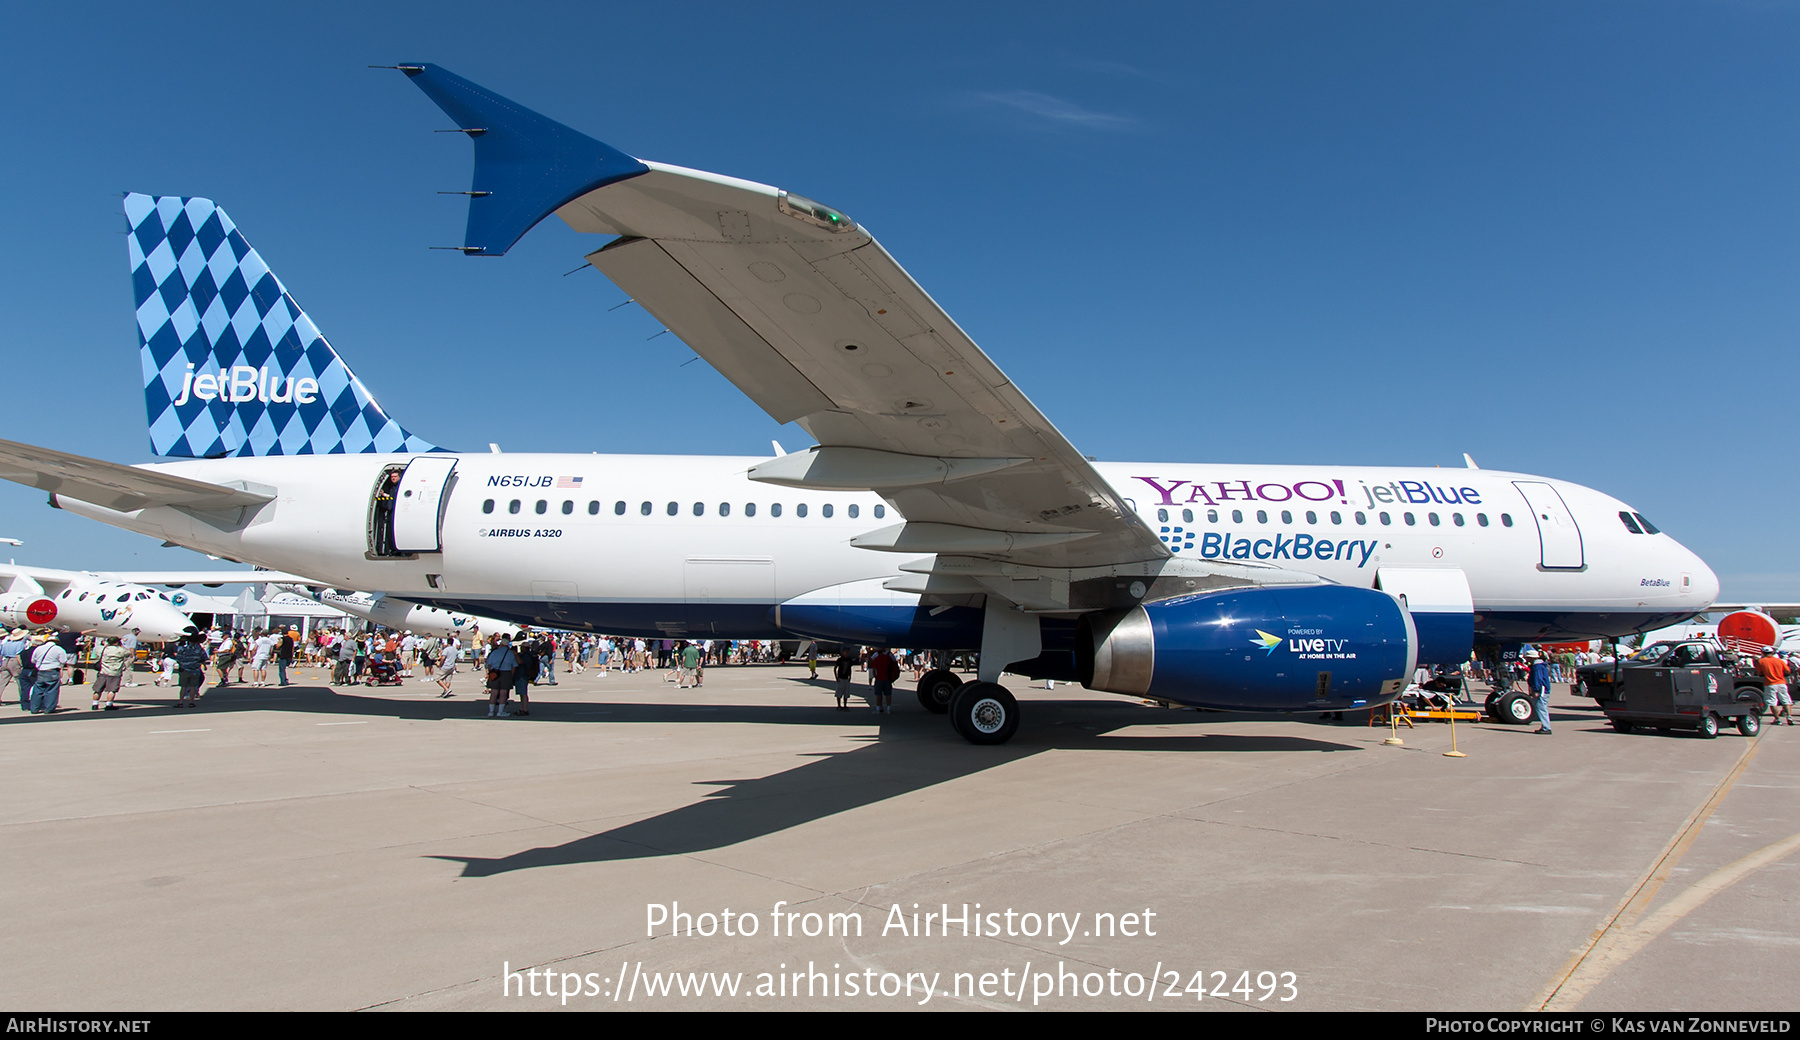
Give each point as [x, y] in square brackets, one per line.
[1120, 69]
[1051, 110]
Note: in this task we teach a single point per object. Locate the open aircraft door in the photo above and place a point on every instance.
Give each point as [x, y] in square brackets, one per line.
[419, 504]
[1559, 538]
[1442, 607]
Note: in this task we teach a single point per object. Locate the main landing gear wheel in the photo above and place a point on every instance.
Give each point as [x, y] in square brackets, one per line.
[1516, 709]
[984, 713]
[936, 689]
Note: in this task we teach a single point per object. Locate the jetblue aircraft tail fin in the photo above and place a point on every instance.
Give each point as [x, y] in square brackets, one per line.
[232, 365]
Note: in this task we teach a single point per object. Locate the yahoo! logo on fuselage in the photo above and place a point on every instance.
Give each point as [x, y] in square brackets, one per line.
[1218, 492]
[244, 383]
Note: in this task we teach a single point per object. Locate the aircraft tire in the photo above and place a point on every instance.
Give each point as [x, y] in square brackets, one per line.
[1516, 709]
[937, 688]
[985, 713]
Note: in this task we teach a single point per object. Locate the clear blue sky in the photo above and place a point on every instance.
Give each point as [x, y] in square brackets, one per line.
[1559, 236]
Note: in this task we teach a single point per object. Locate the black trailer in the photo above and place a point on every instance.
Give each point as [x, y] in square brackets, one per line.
[1701, 698]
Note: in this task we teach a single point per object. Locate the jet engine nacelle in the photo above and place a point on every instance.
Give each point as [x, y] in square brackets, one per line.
[1318, 647]
[27, 609]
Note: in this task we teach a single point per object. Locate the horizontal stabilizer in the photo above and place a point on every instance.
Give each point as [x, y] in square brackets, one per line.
[111, 485]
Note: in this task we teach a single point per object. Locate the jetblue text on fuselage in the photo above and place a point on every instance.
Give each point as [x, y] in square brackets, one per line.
[244, 383]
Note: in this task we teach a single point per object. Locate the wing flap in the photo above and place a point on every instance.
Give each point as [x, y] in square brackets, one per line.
[111, 485]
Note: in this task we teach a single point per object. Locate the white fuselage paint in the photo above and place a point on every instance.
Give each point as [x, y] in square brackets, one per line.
[319, 523]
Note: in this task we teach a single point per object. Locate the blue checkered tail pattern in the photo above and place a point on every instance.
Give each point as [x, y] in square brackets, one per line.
[232, 365]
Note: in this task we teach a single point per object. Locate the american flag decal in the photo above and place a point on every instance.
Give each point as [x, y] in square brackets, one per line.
[568, 482]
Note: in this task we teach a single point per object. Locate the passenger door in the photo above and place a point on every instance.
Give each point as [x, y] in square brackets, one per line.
[1559, 539]
[419, 504]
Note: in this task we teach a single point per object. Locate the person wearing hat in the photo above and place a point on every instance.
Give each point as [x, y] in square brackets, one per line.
[48, 658]
[190, 661]
[1540, 690]
[12, 665]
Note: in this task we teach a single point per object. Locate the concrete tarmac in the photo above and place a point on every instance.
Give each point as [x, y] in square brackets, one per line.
[319, 848]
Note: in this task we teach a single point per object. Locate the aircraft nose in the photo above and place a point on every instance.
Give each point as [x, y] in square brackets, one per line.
[1704, 588]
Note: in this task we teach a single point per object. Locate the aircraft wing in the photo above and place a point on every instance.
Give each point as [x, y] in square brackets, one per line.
[50, 581]
[114, 486]
[807, 314]
[210, 579]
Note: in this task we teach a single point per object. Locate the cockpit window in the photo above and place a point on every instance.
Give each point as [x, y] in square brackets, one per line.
[1649, 528]
[1630, 524]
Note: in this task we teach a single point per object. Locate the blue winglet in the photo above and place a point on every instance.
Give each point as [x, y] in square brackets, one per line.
[526, 166]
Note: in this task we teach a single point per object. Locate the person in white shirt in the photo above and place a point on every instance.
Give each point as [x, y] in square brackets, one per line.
[265, 648]
[48, 658]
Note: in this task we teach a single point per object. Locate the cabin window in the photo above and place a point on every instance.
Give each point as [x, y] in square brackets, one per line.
[513, 506]
[853, 511]
[880, 511]
[568, 506]
[673, 509]
[724, 508]
[488, 506]
[826, 510]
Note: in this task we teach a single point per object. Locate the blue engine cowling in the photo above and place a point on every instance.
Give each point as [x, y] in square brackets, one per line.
[1316, 647]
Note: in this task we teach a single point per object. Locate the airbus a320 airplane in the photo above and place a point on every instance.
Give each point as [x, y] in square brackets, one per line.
[939, 509]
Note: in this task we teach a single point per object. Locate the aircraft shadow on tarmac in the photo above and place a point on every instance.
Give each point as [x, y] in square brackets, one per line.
[902, 753]
[912, 751]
